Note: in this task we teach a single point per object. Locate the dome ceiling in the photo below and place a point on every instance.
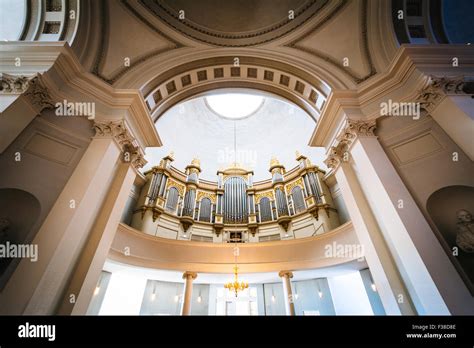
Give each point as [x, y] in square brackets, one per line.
[191, 129]
[234, 23]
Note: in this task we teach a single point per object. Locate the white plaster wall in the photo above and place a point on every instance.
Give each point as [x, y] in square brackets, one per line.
[349, 295]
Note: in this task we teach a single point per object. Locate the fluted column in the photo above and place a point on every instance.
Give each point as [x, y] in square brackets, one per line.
[288, 294]
[188, 292]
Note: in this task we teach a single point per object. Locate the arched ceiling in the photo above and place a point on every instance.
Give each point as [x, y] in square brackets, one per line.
[234, 23]
[137, 41]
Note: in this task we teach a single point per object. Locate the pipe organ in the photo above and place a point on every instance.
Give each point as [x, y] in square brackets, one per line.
[234, 200]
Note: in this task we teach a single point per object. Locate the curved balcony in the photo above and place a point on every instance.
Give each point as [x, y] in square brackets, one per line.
[333, 248]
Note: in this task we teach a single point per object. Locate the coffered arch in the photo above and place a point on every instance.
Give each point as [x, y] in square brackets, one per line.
[300, 87]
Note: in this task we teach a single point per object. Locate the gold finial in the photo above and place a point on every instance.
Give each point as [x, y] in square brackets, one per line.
[171, 155]
[196, 162]
[297, 153]
[274, 162]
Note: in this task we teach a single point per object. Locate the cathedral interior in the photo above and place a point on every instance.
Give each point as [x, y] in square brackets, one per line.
[287, 157]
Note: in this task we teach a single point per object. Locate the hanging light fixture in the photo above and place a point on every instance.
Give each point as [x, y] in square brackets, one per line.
[235, 286]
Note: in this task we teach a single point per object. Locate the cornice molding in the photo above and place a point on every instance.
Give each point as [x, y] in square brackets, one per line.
[131, 151]
[38, 94]
[346, 138]
[64, 78]
[14, 84]
[404, 81]
[220, 39]
[437, 88]
[31, 86]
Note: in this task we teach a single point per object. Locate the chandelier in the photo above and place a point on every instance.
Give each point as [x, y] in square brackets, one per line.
[235, 286]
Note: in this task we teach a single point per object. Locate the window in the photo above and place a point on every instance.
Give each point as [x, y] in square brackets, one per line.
[234, 105]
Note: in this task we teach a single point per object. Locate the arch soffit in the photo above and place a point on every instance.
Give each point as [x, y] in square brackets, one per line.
[184, 81]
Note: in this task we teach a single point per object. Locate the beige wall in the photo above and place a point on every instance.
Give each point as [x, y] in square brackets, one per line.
[422, 154]
[49, 148]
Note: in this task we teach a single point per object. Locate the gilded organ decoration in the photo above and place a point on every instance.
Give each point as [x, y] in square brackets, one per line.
[289, 187]
[203, 194]
[233, 199]
[269, 194]
[177, 185]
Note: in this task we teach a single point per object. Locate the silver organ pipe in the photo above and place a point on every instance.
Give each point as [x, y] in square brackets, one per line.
[235, 200]
[164, 179]
[239, 202]
[153, 190]
[307, 186]
[314, 186]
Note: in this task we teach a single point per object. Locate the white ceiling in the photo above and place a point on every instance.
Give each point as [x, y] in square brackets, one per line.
[191, 129]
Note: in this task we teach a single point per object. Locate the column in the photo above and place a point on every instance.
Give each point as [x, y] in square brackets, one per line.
[449, 102]
[188, 292]
[425, 267]
[38, 287]
[288, 295]
[21, 100]
[384, 271]
[91, 262]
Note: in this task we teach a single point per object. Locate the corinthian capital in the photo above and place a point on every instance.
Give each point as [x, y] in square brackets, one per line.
[14, 84]
[353, 129]
[31, 86]
[131, 151]
[438, 87]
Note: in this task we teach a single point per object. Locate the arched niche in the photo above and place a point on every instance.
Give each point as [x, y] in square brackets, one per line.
[19, 211]
[443, 206]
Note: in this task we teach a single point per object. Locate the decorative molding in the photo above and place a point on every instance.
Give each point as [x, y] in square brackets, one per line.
[14, 84]
[269, 78]
[38, 94]
[437, 88]
[269, 194]
[286, 274]
[203, 194]
[331, 60]
[180, 187]
[345, 139]
[298, 182]
[215, 37]
[131, 151]
[104, 43]
[190, 275]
